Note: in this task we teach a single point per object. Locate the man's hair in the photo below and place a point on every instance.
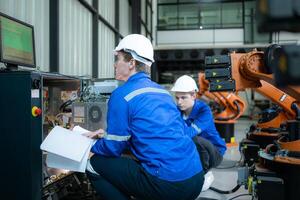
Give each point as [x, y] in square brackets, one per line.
[140, 67]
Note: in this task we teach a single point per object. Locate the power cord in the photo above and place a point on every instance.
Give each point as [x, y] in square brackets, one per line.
[236, 164]
[240, 195]
[225, 192]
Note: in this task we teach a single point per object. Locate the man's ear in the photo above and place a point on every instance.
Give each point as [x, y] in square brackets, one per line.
[194, 95]
[131, 64]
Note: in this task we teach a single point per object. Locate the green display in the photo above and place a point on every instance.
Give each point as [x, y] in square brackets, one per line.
[17, 42]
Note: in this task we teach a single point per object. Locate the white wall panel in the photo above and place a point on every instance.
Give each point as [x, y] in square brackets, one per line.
[200, 38]
[107, 10]
[75, 39]
[106, 57]
[36, 13]
[288, 37]
[124, 18]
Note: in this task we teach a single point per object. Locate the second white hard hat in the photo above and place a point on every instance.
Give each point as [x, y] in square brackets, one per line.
[185, 83]
[138, 46]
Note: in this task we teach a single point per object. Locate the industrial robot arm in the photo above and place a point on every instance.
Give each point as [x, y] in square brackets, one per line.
[230, 104]
[281, 99]
[248, 69]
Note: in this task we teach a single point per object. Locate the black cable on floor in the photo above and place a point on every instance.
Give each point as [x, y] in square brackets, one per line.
[236, 164]
[225, 192]
[240, 195]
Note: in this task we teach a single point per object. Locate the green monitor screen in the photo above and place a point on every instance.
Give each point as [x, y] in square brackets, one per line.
[17, 42]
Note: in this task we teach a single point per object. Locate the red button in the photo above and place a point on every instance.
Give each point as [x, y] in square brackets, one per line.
[36, 111]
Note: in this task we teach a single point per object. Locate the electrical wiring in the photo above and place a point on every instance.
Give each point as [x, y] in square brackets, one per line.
[236, 164]
[240, 195]
[225, 192]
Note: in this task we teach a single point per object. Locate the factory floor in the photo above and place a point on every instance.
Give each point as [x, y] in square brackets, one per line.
[226, 179]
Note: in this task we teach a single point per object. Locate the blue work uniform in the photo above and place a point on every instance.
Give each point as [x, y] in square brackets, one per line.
[200, 122]
[143, 117]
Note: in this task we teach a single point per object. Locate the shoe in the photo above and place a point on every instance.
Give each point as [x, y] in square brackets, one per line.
[208, 180]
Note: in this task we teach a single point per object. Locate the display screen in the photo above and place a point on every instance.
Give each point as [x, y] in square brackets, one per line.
[17, 42]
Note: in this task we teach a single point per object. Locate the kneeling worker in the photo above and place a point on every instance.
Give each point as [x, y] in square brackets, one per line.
[200, 125]
[143, 117]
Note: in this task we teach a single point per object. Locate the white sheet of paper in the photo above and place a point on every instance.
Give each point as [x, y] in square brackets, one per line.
[65, 143]
[80, 130]
[56, 161]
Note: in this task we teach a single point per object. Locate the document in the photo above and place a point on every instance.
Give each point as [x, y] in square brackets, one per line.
[67, 149]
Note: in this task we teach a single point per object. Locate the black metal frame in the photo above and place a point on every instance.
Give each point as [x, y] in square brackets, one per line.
[54, 36]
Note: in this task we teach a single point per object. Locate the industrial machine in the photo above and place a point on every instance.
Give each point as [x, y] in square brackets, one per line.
[89, 111]
[247, 70]
[30, 108]
[32, 103]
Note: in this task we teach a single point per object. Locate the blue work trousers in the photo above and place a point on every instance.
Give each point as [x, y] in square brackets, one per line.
[123, 178]
[209, 154]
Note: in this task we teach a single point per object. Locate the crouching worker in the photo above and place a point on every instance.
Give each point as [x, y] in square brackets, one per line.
[200, 125]
[143, 117]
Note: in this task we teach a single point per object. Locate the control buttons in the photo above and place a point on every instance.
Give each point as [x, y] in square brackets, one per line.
[35, 111]
[36, 84]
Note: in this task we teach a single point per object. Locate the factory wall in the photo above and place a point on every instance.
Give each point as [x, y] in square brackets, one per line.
[75, 39]
[214, 37]
[200, 38]
[106, 42]
[75, 31]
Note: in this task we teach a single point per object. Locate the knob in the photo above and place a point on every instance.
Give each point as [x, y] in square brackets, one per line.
[35, 111]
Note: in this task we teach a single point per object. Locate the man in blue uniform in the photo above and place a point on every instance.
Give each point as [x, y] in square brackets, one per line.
[200, 124]
[143, 118]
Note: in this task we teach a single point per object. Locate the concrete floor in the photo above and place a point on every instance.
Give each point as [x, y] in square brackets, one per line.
[226, 179]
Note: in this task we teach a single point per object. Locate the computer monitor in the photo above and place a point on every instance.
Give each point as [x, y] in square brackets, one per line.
[16, 43]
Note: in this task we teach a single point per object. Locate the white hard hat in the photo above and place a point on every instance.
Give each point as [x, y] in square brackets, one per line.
[138, 46]
[185, 84]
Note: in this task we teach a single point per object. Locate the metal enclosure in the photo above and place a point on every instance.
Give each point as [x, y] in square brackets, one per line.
[22, 128]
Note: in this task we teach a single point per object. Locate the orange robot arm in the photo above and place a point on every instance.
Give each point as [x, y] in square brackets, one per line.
[281, 99]
[249, 71]
[232, 105]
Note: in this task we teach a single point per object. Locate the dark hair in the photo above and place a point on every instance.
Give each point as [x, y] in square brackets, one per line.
[140, 67]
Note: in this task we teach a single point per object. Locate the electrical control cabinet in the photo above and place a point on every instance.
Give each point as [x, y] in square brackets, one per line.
[31, 104]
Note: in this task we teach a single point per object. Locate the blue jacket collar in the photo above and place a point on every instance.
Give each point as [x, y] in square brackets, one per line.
[138, 75]
[195, 110]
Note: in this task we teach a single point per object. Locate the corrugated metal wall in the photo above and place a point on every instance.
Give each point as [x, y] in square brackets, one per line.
[106, 39]
[75, 39]
[36, 13]
[107, 10]
[106, 47]
[125, 18]
[75, 32]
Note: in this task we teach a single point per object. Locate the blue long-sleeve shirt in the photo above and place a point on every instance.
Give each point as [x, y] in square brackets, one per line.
[201, 122]
[143, 117]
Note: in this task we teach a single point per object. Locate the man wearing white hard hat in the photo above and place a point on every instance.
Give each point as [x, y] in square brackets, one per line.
[200, 125]
[143, 118]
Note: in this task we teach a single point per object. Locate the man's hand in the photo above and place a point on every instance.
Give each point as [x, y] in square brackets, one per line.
[95, 134]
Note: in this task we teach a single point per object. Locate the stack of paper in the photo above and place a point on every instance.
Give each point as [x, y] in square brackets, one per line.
[67, 149]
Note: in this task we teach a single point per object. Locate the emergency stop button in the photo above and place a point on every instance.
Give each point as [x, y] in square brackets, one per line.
[35, 111]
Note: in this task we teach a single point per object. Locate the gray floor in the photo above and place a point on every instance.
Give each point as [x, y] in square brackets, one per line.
[226, 179]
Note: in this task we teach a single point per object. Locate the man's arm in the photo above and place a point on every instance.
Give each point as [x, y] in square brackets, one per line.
[118, 132]
[201, 123]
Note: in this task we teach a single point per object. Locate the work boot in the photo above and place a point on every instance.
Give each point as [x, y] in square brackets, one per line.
[208, 180]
